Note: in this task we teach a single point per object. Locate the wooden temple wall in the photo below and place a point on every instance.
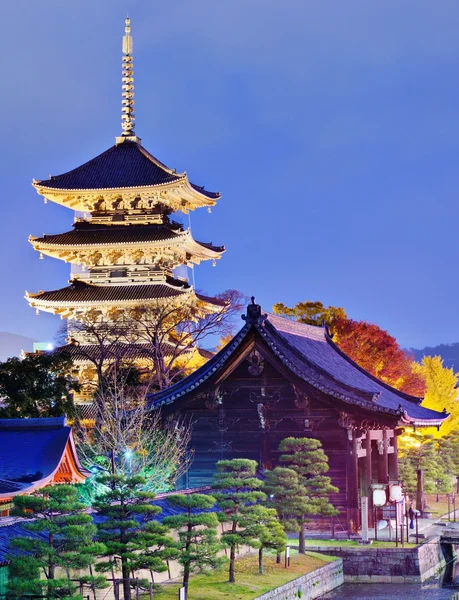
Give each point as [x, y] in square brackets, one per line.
[250, 418]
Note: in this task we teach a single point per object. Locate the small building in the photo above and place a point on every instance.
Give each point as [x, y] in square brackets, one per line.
[278, 378]
[35, 453]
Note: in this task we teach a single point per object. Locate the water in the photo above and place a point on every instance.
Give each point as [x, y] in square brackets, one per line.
[445, 587]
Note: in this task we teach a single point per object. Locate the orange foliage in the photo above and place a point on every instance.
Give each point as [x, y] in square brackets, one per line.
[378, 353]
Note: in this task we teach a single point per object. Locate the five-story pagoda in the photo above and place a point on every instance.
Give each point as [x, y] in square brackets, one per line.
[125, 245]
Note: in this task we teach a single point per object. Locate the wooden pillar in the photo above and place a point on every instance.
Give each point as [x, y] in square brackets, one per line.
[385, 459]
[368, 478]
[352, 483]
[393, 458]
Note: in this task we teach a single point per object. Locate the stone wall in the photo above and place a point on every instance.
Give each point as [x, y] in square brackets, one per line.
[389, 565]
[309, 586]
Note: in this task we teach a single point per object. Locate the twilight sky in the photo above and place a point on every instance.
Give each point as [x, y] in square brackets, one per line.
[331, 129]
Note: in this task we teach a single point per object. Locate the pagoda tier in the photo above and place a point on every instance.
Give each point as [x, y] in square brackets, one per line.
[80, 297]
[124, 177]
[92, 245]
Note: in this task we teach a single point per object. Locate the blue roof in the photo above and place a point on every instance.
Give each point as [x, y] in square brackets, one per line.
[30, 450]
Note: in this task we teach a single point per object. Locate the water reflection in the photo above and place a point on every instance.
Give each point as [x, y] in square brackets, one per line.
[445, 587]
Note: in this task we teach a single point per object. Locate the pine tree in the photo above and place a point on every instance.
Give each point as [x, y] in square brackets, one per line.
[155, 548]
[127, 511]
[421, 452]
[288, 496]
[306, 457]
[236, 488]
[66, 542]
[262, 524]
[197, 532]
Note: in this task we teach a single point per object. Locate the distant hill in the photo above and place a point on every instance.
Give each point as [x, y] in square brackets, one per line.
[449, 353]
[12, 344]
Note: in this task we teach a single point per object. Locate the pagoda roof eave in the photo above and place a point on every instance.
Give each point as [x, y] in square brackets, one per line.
[81, 294]
[125, 168]
[122, 238]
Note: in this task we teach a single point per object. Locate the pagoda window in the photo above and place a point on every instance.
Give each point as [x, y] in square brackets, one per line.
[118, 217]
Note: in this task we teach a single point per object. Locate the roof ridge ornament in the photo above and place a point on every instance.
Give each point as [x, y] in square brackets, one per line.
[127, 103]
[254, 316]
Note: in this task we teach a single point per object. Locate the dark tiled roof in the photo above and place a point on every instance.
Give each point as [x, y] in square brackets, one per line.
[309, 352]
[31, 449]
[116, 350]
[79, 291]
[124, 165]
[86, 233]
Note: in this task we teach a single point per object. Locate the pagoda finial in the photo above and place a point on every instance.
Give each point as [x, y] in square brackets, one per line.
[127, 109]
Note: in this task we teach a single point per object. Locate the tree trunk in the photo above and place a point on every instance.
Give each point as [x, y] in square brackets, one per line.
[232, 578]
[260, 560]
[278, 558]
[301, 540]
[126, 579]
[186, 566]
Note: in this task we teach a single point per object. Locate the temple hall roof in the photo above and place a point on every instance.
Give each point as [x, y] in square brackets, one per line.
[125, 165]
[31, 451]
[310, 354]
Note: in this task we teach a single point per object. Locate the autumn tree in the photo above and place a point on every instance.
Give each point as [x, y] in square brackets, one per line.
[166, 336]
[236, 488]
[198, 543]
[441, 393]
[65, 542]
[311, 313]
[306, 457]
[40, 385]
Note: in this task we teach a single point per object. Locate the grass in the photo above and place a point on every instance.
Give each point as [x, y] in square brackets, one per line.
[440, 508]
[353, 544]
[249, 584]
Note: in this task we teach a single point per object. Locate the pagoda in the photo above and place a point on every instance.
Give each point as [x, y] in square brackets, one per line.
[124, 246]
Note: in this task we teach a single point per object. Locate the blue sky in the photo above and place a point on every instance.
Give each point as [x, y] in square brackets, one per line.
[331, 129]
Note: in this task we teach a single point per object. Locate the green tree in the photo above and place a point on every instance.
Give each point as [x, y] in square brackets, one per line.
[448, 453]
[288, 496]
[66, 543]
[441, 393]
[306, 457]
[262, 525]
[421, 452]
[40, 385]
[126, 511]
[155, 548]
[197, 533]
[236, 487]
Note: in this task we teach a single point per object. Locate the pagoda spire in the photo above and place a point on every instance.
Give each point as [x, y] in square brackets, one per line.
[127, 104]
